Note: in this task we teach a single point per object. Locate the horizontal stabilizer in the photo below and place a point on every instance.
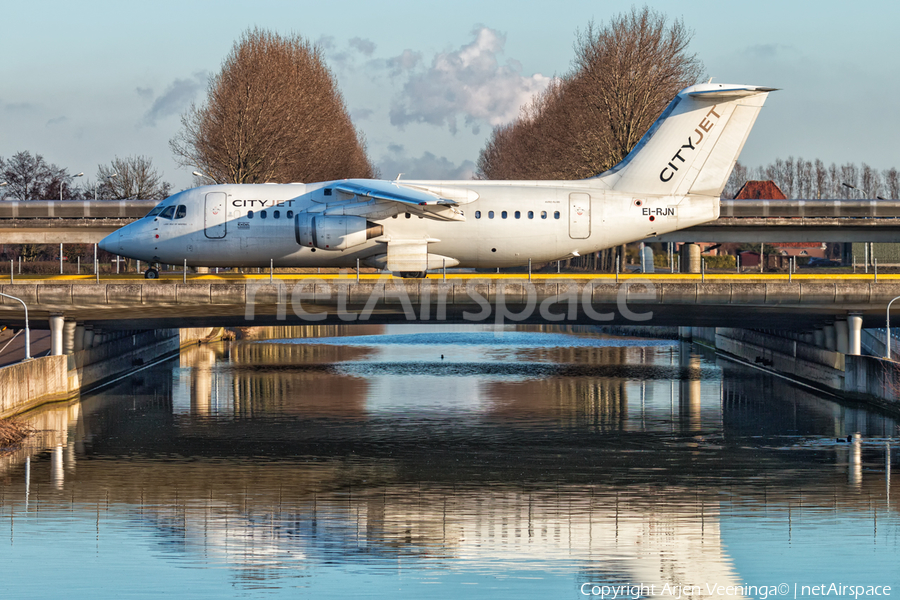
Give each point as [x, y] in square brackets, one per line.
[729, 94]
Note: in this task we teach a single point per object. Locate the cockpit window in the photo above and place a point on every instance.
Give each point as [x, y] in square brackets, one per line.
[156, 210]
[181, 211]
[167, 213]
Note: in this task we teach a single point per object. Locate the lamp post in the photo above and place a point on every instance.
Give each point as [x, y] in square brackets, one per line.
[27, 332]
[61, 184]
[864, 192]
[199, 173]
[98, 184]
[887, 327]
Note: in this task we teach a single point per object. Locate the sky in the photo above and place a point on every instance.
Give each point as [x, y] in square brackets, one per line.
[84, 82]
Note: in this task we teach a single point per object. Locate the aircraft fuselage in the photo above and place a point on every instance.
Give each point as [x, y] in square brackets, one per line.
[506, 225]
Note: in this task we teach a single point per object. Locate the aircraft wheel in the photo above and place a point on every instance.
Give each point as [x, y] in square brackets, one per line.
[412, 274]
[151, 274]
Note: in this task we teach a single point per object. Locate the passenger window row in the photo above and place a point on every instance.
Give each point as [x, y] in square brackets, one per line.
[276, 214]
[517, 214]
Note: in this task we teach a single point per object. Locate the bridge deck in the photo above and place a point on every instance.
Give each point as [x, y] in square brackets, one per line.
[754, 301]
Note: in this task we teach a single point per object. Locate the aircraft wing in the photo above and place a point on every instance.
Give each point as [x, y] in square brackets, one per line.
[376, 199]
[391, 191]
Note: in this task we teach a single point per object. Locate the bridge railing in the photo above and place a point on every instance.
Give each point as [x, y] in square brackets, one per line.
[810, 208]
[73, 209]
[76, 209]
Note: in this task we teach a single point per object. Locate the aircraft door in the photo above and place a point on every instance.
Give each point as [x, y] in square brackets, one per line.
[579, 216]
[215, 215]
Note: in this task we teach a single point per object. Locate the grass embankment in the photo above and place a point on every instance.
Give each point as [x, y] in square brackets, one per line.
[12, 432]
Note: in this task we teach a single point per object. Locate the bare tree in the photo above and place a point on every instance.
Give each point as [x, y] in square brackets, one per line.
[32, 178]
[788, 178]
[821, 180]
[273, 114]
[892, 183]
[870, 181]
[739, 176]
[849, 175]
[131, 177]
[806, 182]
[835, 189]
[624, 74]
[807, 179]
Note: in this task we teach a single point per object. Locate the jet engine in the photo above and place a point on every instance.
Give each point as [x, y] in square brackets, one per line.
[332, 232]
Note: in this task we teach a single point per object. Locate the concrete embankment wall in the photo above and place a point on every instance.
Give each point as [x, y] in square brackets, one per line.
[873, 343]
[87, 368]
[200, 335]
[868, 378]
[26, 385]
[825, 368]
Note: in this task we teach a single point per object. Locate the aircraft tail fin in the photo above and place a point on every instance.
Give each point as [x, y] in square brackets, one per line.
[693, 145]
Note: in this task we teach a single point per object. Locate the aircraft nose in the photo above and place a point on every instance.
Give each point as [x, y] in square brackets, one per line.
[111, 242]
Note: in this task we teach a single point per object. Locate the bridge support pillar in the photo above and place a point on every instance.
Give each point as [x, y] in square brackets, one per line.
[88, 336]
[56, 335]
[842, 337]
[685, 333]
[830, 337]
[819, 337]
[98, 337]
[690, 258]
[854, 325]
[69, 337]
[79, 337]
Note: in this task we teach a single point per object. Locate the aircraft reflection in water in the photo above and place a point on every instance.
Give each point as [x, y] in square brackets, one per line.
[613, 475]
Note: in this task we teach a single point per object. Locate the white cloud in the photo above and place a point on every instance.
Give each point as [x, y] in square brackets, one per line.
[361, 114]
[144, 93]
[405, 61]
[177, 97]
[20, 107]
[362, 45]
[469, 83]
[426, 166]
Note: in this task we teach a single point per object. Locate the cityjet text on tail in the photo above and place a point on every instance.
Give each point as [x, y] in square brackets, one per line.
[671, 180]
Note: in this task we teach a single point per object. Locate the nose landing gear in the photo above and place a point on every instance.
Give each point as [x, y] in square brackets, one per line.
[151, 273]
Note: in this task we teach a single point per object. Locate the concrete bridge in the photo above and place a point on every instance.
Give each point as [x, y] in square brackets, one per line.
[837, 307]
[76, 221]
[67, 221]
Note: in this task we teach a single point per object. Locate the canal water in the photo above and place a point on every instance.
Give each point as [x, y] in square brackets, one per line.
[451, 462]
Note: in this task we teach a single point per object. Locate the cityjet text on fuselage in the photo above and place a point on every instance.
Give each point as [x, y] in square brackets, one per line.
[260, 204]
[705, 125]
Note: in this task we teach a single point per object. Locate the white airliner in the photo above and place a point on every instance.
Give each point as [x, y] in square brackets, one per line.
[671, 180]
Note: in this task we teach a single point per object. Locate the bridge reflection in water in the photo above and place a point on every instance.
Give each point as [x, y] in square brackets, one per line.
[602, 464]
